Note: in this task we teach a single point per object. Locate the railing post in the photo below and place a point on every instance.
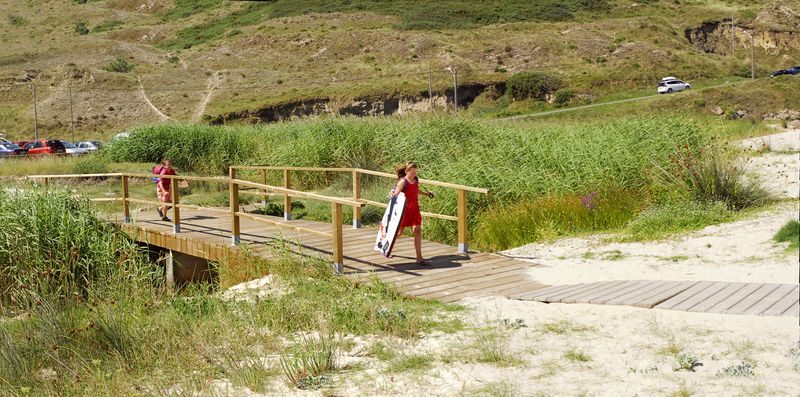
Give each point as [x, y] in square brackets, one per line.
[356, 197]
[263, 181]
[463, 246]
[287, 200]
[234, 190]
[336, 221]
[175, 192]
[126, 206]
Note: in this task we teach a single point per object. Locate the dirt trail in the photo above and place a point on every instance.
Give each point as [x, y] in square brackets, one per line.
[150, 104]
[211, 85]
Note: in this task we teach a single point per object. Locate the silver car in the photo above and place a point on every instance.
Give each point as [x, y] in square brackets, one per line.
[669, 85]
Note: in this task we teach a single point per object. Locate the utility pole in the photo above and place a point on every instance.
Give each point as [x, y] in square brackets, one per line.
[430, 87]
[455, 86]
[35, 114]
[71, 123]
[752, 54]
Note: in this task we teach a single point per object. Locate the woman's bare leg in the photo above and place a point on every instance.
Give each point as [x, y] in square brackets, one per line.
[418, 242]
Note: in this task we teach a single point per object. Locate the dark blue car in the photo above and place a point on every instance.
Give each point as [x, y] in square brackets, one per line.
[8, 149]
[790, 71]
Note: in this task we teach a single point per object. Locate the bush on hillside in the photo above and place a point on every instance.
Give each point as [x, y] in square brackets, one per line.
[532, 84]
[563, 97]
[120, 65]
[80, 28]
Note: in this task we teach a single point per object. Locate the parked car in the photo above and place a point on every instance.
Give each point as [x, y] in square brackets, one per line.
[22, 144]
[8, 149]
[121, 135]
[45, 146]
[73, 150]
[89, 145]
[791, 71]
[669, 85]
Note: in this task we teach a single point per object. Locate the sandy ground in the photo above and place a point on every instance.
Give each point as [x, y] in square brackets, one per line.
[594, 350]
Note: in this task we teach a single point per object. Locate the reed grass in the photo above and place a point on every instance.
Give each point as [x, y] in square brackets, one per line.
[516, 161]
[84, 311]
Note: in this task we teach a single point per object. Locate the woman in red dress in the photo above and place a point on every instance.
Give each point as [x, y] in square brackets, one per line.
[409, 184]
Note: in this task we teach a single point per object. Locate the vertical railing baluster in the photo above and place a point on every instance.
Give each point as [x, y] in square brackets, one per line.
[287, 200]
[356, 197]
[463, 246]
[336, 223]
[234, 198]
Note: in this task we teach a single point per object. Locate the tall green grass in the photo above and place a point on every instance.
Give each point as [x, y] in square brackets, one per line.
[84, 312]
[516, 162]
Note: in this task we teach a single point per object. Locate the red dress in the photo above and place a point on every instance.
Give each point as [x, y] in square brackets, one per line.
[411, 217]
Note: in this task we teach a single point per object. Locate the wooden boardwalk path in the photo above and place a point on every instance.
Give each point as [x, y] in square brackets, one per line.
[450, 277]
[694, 296]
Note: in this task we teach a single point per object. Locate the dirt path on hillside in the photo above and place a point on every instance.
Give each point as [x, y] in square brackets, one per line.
[211, 85]
[143, 94]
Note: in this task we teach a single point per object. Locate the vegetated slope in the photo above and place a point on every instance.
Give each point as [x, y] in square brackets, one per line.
[237, 56]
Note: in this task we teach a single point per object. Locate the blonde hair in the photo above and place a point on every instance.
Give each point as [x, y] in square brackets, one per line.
[401, 170]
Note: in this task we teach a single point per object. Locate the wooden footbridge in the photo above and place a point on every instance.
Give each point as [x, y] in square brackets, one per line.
[214, 233]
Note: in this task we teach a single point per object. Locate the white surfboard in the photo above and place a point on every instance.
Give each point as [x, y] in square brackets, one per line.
[390, 225]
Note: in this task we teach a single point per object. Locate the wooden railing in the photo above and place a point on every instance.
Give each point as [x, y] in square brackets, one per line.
[236, 185]
[462, 190]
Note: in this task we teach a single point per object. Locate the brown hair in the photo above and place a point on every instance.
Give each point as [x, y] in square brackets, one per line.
[401, 170]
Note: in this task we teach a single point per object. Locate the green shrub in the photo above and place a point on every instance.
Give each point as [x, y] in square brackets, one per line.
[711, 174]
[563, 96]
[532, 84]
[675, 217]
[120, 65]
[90, 164]
[52, 248]
[790, 232]
[80, 28]
[16, 20]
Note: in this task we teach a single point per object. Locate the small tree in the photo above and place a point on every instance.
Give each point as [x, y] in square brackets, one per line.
[80, 28]
[532, 84]
[120, 65]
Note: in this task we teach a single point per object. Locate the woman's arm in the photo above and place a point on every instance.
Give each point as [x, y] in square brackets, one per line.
[401, 184]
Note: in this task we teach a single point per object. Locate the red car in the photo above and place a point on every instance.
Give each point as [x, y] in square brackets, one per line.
[45, 146]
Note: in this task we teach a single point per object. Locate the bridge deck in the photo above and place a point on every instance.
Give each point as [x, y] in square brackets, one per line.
[451, 276]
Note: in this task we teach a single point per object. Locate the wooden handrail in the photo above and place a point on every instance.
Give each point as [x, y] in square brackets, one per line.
[364, 171]
[297, 193]
[284, 225]
[423, 213]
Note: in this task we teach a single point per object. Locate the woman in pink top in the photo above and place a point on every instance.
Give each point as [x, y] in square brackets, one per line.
[163, 189]
[409, 184]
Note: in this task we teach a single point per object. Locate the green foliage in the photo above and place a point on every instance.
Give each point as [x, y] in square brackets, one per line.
[412, 362]
[17, 20]
[549, 217]
[310, 363]
[107, 26]
[562, 161]
[713, 175]
[217, 27]
[563, 97]
[52, 247]
[741, 369]
[675, 217]
[577, 356]
[90, 164]
[790, 232]
[80, 28]
[532, 84]
[448, 14]
[105, 323]
[687, 362]
[186, 8]
[120, 65]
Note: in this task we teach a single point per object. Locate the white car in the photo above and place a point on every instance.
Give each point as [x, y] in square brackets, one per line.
[669, 85]
[89, 145]
[73, 150]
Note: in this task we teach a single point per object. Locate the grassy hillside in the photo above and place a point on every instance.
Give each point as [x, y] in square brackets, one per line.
[195, 58]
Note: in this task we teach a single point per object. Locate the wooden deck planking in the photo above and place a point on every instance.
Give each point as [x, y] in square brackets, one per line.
[452, 276]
